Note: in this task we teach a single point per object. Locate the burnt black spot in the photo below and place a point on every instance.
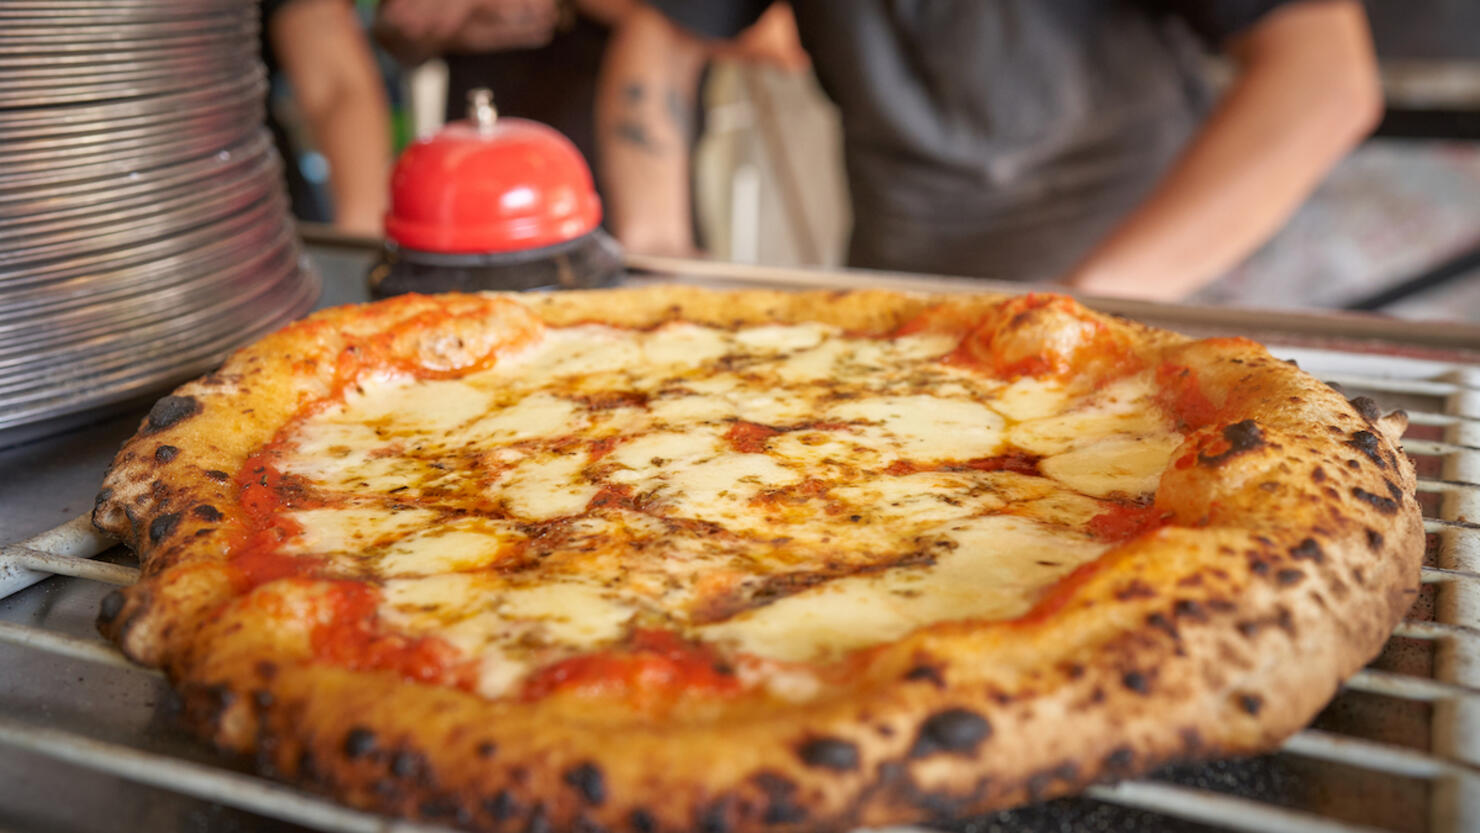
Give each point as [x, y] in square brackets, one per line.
[1039, 782]
[263, 699]
[588, 781]
[1386, 506]
[1162, 623]
[1258, 566]
[161, 527]
[585, 824]
[165, 453]
[358, 742]
[111, 606]
[405, 763]
[170, 410]
[1250, 703]
[485, 749]
[1308, 550]
[957, 731]
[829, 753]
[1366, 442]
[538, 821]
[641, 821]
[206, 512]
[715, 818]
[1241, 437]
[1119, 759]
[1318, 474]
[1374, 539]
[1136, 681]
[926, 674]
[1289, 575]
[1393, 489]
[780, 792]
[502, 806]
[218, 475]
[1137, 589]
[1189, 609]
[440, 807]
[1367, 407]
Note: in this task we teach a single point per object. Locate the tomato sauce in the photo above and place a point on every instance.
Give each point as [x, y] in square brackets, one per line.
[748, 437]
[1125, 521]
[352, 638]
[654, 665]
[1179, 393]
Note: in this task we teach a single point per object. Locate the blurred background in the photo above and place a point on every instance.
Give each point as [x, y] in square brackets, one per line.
[1395, 226]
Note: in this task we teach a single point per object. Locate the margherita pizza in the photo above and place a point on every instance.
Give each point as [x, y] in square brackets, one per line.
[673, 559]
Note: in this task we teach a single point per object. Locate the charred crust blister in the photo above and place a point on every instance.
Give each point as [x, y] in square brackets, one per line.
[1242, 437]
[587, 780]
[715, 818]
[1367, 408]
[111, 606]
[206, 512]
[780, 792]
[1249, 703]
[926, 673]
[161, 527]
[165, 453]
[1136, 681]
[169, 411]
[1308, 550]
[217, 475]
[1385, 505]
[829, 753]
[502, 806]
[641, 821]
[358, 742]
[1367, 443]
[955, 731]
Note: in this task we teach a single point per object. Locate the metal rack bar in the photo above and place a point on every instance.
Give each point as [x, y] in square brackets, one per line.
[91, 650]
[202, 781]
[1382, 757]
[23, 556]
[1225, 811]
[76, 538]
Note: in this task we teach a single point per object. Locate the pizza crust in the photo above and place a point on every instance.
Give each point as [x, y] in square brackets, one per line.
[1295, 549]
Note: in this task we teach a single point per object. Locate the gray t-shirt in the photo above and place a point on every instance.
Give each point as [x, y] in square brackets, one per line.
[997, 138]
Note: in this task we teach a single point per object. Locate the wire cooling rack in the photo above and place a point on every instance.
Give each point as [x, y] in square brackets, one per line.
[1409, 722]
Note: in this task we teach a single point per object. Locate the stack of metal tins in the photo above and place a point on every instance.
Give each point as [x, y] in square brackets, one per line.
[144, 229]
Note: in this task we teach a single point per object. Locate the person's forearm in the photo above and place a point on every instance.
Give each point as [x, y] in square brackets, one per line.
[1306, 94]
[338, 91]
[644, 112]
[353, 135]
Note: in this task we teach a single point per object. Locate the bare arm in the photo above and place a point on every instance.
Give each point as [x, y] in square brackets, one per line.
[1306, 93]
[337, 88]
[644, 107]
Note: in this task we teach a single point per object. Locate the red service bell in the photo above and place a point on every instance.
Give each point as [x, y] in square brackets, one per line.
[493, 203]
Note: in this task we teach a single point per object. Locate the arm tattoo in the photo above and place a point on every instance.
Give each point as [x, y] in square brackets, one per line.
[632, 92]
[634, 133]
[680, 113]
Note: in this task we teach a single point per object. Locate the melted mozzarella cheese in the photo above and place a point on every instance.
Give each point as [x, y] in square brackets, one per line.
[594, 478]
[927, 427]
[461, 545]
[993, 571]
[1123, 465]
[546, 487]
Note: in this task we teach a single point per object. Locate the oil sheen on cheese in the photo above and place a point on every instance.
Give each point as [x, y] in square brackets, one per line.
[786, 494]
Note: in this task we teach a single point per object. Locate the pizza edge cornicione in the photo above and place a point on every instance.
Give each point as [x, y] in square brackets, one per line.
[1292, 548]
